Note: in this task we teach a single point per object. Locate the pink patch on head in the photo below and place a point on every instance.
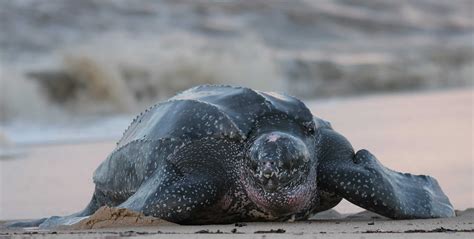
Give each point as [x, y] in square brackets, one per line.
[273, 138]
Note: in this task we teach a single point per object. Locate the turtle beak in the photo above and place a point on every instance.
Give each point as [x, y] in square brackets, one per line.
[268, 176]
[268, 170]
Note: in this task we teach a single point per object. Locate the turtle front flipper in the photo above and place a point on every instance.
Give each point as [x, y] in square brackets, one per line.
[176, 200]
[363, 180]
[187, 184]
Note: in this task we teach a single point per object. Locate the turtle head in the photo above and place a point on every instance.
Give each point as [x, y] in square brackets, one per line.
[278, 159]
[279, 171]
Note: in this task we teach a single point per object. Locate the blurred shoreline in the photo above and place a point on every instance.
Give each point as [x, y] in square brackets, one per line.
[67, 59]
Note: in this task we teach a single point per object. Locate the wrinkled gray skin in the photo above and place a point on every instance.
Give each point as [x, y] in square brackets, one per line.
[222, 154]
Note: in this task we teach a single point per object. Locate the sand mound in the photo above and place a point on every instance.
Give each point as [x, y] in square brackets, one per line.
[107, 217]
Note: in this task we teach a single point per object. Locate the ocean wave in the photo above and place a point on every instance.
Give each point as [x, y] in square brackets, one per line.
[65, 60]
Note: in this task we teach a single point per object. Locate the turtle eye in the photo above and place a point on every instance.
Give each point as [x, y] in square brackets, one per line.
[310, 127]
[296, 162]
[286, 163]
[253, 165]
[253, 159]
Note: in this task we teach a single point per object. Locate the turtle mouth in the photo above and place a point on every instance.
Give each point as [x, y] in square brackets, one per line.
[274, 180]
[279, 193]
[269, 181]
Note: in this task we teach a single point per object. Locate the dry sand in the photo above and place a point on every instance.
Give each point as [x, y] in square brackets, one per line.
[429, 133]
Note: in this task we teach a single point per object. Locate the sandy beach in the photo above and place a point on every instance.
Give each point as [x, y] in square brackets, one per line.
[421, 133]
[461, 226]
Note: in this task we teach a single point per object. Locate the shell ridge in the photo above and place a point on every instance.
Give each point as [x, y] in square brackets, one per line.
[211, 85]
[150, 109]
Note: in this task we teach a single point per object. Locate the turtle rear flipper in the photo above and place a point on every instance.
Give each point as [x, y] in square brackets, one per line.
[54, 221]
[23, 224]
[48, 222]
[363, 180]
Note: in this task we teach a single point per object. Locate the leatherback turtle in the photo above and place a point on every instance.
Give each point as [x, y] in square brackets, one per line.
[222, 154]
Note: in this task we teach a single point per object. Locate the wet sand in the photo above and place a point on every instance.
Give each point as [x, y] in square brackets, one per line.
[363, 226]
[421, 133]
